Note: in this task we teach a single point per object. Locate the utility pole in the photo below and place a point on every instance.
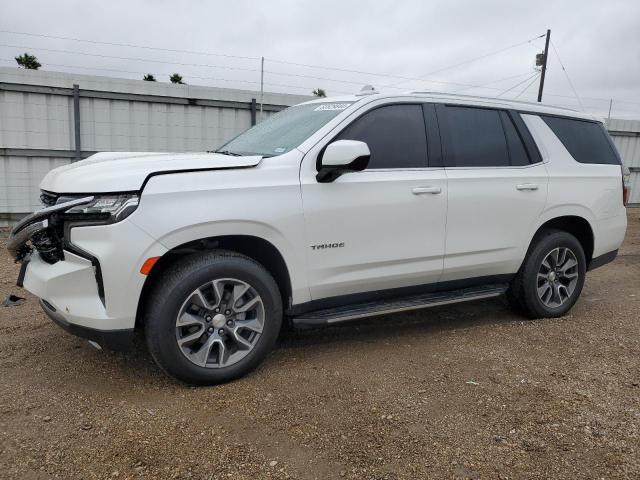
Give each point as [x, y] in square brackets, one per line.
[544, 64]
[261, 84]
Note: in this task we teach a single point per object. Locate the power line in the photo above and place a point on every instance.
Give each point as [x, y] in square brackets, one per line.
[528, 85]
[304, 65]
[245, 69]
[567, 75]
[221, 79]
[129, 45]
[518, 84]
[72, 52]
[482, 85]
[474, 59]
[285, 62]
[323, 67]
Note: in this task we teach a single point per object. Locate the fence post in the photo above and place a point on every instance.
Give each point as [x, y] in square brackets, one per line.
[76, 120]
[253, 111]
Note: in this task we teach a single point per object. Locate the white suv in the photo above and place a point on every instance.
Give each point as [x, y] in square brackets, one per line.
[331, 210]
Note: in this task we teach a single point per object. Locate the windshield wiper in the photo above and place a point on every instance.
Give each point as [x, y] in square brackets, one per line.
[228, 152]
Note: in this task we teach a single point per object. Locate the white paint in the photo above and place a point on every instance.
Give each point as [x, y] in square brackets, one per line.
[385, 228]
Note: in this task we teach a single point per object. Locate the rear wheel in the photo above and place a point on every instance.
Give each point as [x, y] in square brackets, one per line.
[551, 278]
[213, 317]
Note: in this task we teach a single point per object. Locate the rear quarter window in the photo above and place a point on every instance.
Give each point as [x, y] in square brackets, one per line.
[587, 142]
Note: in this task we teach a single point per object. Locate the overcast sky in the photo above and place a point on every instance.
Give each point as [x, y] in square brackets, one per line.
[597, 41]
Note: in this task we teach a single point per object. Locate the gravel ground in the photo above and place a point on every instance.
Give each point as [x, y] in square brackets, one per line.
[468, 391]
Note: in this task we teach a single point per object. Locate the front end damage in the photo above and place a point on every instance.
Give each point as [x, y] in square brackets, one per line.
[65, 277]
[42, 231]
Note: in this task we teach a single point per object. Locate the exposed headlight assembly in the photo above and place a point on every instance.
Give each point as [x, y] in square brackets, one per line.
[45, 229]
[109, 208]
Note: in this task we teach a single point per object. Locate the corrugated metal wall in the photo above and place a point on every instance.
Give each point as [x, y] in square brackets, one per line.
[626, 136]
[37, 129]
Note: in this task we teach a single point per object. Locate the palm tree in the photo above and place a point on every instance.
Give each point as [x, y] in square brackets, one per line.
[30, 62]
[149, 78]
[318, 92]
[176, 78]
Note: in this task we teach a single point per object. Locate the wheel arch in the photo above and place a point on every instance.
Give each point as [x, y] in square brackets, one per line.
[575, 224]
[254, 247]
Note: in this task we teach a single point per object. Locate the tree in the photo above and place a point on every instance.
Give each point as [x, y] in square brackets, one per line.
[149, 78]
[318, 92]
[176, 78]
[30, 62]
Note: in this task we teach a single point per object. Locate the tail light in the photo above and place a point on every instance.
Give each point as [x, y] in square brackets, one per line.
[626, 180]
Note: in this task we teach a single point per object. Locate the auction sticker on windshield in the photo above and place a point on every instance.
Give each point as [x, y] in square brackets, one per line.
[331, 106]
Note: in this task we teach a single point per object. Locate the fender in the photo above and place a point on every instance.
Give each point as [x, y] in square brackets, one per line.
[556, 211]
[180, 208]
[295, 267]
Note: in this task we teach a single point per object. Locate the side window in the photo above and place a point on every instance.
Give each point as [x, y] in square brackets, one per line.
[473, 137]
[395, 134]
[587, 142]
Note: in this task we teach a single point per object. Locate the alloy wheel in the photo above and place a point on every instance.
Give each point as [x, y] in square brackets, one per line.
[220, 323]
[557, 277]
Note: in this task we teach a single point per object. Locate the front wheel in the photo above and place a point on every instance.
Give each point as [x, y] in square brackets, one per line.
[551, 278]
[213, 317]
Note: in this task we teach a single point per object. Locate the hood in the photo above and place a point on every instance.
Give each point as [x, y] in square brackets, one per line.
[127, 171]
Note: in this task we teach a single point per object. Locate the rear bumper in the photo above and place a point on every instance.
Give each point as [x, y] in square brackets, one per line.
[119, 340]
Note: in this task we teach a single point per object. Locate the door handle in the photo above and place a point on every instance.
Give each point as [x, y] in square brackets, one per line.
[423, 190]
[527, 186]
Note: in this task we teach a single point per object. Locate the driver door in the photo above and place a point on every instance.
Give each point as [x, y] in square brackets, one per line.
[384, 227]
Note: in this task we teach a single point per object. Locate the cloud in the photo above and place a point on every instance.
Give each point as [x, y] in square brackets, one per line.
[596, 40]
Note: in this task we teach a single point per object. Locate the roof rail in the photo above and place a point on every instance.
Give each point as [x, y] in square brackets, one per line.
[523, 102]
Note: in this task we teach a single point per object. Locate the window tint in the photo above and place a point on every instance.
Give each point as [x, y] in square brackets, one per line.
[587, 142]
[395, 135]
[517, 153]
[474, 137]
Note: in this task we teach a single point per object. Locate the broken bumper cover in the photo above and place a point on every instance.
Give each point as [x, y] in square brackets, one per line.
[18, 239]
[37, 222]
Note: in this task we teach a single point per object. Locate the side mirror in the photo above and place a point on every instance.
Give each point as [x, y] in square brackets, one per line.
[341, 157]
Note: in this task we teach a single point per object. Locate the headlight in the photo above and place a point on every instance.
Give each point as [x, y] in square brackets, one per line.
[109, 208]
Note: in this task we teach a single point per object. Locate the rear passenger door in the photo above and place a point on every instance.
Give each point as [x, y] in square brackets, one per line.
[381, 228]
[497, 187]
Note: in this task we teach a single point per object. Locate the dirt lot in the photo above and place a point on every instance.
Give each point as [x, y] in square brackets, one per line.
[469, 391]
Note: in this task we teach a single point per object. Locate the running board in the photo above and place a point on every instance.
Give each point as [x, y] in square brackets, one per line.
[403, 304]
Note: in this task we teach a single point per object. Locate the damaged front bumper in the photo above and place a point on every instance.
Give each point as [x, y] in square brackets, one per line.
[84, 261]
[68, 285]
[34, 228]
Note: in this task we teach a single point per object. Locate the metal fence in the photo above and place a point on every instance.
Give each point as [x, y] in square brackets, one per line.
[51, 119]
[626, 136]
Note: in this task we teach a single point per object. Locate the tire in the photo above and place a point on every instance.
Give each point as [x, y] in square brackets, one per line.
[541, 292]
[197, 344]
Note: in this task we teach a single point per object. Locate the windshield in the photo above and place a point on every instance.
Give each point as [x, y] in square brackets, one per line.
[283, 131]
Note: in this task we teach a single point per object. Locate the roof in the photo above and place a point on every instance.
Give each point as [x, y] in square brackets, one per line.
[442, 97]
